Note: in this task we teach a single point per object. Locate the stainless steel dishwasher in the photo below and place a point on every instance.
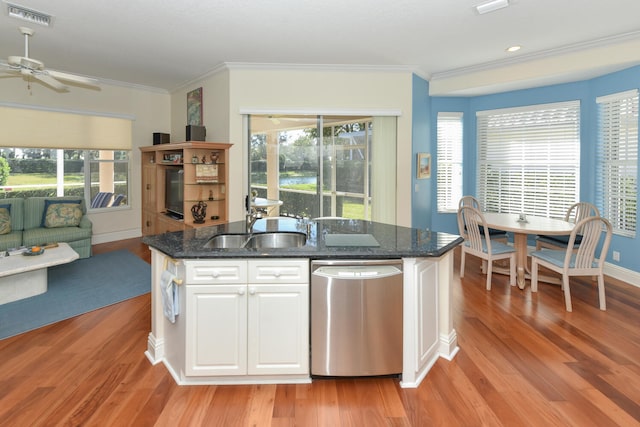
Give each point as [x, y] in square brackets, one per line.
[356, 318]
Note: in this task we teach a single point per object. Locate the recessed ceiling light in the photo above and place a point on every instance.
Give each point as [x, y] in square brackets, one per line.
[491, 5]
[513, 48]
[30, 15]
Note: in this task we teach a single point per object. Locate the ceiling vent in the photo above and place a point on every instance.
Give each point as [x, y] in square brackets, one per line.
[29, 15]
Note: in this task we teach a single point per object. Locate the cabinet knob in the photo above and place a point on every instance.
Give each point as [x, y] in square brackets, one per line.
[241, 291]
[252, 291]
[148, 186]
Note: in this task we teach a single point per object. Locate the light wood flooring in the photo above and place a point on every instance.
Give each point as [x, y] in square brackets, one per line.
[523, 361]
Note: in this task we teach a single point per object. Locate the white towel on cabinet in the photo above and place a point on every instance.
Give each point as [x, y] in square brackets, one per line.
[169, 292]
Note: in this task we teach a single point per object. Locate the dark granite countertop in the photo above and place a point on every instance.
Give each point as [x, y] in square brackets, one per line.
[389, 241]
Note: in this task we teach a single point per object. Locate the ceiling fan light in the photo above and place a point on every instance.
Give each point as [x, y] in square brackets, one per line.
[491, 6]
[30, 15]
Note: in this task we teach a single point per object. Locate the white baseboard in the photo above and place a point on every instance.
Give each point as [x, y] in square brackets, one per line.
[626, 275]
[115, 236]
[629, 276]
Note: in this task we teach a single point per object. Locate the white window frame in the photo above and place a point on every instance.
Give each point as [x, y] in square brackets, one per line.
[60, 184]
[529, 159]
[617, 160]
[449, 161]
[124, 204]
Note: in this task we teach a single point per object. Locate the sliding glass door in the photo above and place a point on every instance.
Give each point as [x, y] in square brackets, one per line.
[318, 166]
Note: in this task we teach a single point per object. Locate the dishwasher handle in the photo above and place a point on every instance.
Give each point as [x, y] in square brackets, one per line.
[357, 272]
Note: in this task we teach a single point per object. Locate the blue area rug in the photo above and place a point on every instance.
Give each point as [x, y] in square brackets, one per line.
[76, 288]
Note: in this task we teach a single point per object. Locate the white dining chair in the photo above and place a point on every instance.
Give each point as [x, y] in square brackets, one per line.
[575, 214]
[475, 243]
[493, 233]
[585, 260]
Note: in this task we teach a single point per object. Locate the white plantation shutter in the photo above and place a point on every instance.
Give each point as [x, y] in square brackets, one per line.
[449, 161]
[529, 159]
[617, 160]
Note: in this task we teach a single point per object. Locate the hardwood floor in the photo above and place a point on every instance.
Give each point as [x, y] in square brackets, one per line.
[523, 361]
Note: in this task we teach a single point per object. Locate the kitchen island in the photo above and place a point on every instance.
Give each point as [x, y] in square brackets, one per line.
[223, 334]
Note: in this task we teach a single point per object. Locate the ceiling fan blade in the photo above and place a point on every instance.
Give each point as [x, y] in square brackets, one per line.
[72, 78]
[8, 68]
[50, 81]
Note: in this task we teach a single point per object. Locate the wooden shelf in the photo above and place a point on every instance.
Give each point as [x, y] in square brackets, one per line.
[203, 180]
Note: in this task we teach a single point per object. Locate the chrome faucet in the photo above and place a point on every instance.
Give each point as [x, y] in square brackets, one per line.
[252, 217]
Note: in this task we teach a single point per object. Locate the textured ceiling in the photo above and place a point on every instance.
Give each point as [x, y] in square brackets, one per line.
[168, 43]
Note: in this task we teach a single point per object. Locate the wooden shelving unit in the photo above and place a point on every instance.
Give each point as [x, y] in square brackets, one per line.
[204, 165]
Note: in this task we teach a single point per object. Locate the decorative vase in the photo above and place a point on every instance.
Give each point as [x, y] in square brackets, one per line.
[199, 212]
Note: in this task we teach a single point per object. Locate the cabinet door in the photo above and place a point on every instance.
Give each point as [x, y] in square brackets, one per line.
[149, 187]
[216, 330]
[148, 222]
[278, 330]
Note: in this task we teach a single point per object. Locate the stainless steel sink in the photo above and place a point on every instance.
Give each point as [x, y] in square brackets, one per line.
[279, 239]
[225, 241]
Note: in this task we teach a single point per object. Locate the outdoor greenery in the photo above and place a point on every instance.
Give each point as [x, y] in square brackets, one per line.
[40, 179]
[341, 147]
[4, 171]
[33, 172]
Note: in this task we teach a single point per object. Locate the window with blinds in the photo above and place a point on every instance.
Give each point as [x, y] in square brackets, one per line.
[449, 161]
[617, 160]
[529, 159]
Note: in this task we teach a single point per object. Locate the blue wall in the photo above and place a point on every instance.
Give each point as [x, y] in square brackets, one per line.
[586, 92]
[422, 202]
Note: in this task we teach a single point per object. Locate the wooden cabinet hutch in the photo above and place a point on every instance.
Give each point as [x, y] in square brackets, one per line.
[205, 175]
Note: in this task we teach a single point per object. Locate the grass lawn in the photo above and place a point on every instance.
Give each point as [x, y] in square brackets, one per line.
[353, 210]
[39, 179]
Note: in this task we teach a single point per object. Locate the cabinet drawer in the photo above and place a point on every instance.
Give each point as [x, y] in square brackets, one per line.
[212, 272]
[279, 271]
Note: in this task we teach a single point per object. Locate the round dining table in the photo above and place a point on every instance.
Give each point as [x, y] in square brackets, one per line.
[521, 229]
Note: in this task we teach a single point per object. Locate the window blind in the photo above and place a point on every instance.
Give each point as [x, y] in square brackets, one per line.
[449, 161]
[617, 160]
[38, 128]
[529, 159]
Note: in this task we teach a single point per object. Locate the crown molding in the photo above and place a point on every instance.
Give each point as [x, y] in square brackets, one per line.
[578, 47]
[114, 83]
[319, 67]
[218, 69]
[131, 85]
[265, 66]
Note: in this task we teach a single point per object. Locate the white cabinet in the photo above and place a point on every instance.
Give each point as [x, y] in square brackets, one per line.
[216, 330]
[278, 317]
[247, 317]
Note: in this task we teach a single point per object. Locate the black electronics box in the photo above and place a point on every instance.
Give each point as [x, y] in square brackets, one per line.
[160, 138]
[196, 133]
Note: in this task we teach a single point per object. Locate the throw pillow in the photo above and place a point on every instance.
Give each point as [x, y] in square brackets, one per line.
[61, 213]
[5, 219]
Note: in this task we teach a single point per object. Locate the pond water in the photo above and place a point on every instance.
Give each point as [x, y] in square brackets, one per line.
[292, 180]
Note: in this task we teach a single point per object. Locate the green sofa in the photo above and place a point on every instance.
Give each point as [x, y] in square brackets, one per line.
[27, 227]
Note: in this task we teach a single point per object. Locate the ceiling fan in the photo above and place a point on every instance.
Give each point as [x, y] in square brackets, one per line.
[30, 67]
